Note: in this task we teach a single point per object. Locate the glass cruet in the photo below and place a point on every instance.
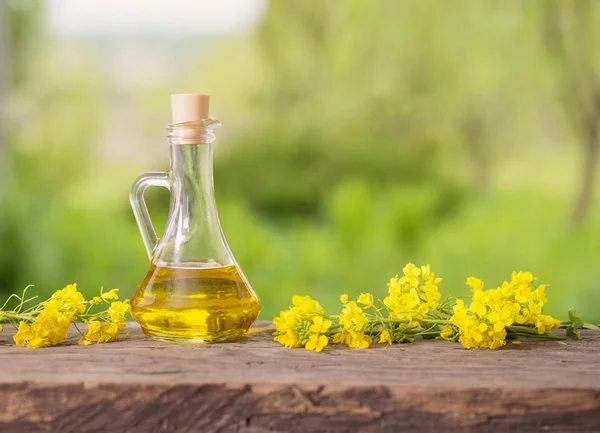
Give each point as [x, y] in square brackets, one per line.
[194, 291]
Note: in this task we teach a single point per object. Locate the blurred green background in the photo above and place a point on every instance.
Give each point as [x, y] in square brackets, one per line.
[357, 136]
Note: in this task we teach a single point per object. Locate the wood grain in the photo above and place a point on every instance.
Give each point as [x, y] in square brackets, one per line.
[138, 385]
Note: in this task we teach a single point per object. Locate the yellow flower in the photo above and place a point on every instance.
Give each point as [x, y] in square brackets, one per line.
[358, 340]
[306, 305]
[288, 339]
[447, 333]
[344, 298]
[111, 294]
[366, 299]
[546, 323]
[540, 294]
[410, 270]
[475, 283]
[117, 310]
[319, 325]
[293, 326]
[492, 311]
[316, 342]
[478, 308]
[535, 308]
[352, 318]
[23, 335]
[426, 273]
[50, 327]
[475, 332]
[37, 343]
[394, 284]
[411, 275]
[69, 300]
[285, 326]
[431, 295]
[501, 318]
[339, 338]
[110, 331]
[522, 278]
[385, 336]
[498, 339]
[92, 333]
[411, 297]
[98, 332]
[94, 326]
[285, 320]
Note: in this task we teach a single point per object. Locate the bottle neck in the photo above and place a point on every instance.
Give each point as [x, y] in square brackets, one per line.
[192, 177]
[193, 230]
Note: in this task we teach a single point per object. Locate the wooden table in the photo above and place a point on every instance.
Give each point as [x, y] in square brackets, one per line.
[138, 385]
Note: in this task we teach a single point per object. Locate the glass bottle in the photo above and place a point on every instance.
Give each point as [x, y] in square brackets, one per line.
[194, 291]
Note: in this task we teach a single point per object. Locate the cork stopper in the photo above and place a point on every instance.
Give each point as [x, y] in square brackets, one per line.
[188, 107]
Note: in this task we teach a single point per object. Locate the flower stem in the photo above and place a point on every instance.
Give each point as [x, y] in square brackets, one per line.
[546, 336]
[522, 329]
[531, 332]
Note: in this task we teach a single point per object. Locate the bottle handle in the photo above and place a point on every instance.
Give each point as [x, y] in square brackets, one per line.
[140, 210]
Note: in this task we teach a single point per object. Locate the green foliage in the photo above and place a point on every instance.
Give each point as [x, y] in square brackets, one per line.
[360, 136]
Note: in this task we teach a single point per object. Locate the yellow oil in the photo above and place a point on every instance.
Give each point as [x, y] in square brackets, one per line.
[194, 304]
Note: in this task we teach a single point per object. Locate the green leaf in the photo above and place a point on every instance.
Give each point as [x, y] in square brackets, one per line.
[575, 320]
[576, 323]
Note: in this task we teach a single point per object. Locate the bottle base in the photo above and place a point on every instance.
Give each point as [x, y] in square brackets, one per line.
[195, 338]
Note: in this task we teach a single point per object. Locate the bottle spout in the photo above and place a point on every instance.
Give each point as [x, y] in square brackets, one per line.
[191, 124]
[193, 132]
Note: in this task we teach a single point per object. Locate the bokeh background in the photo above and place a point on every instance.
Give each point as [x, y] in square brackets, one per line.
[358, 135]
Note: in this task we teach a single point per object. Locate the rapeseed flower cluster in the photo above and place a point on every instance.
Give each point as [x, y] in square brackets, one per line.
[51, 326]
[303, 325]
[494, 312]
[413, 307]
[48, 323]
[413, 295]
[360, 322]
[354, 322]
[98, 332]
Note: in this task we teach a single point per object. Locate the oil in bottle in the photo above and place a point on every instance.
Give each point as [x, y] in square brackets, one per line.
[195, 303]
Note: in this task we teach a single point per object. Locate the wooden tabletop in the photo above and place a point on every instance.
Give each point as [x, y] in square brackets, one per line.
[138, 385]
